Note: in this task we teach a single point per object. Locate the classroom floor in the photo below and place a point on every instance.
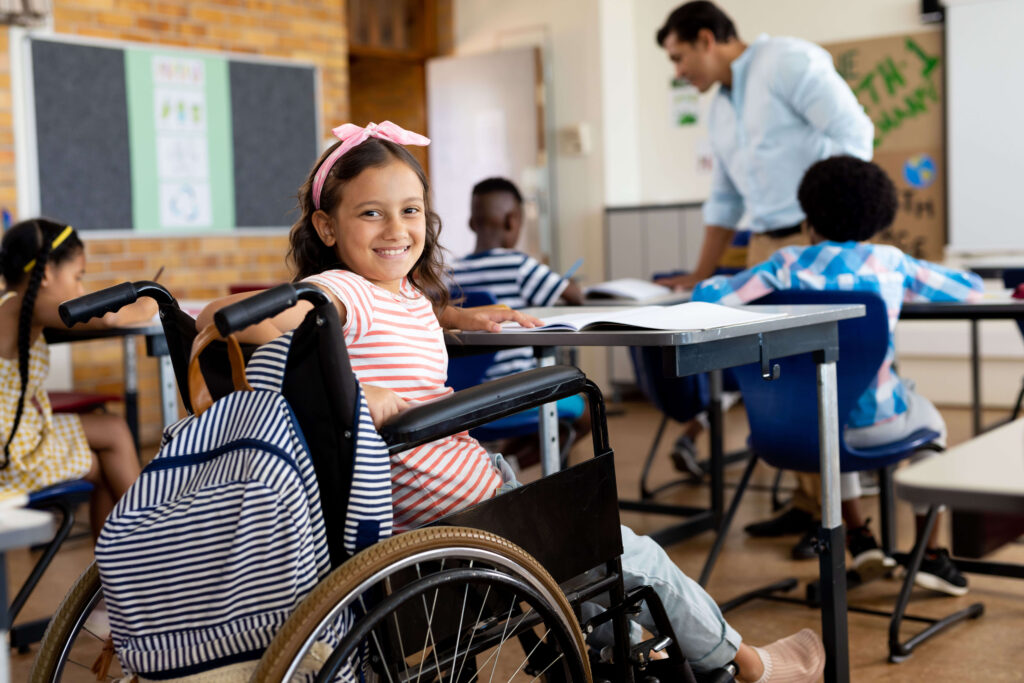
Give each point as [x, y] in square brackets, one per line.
[990, 648]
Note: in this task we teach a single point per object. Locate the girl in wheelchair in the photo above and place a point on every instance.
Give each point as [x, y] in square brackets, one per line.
[368, 237]
[42, 263]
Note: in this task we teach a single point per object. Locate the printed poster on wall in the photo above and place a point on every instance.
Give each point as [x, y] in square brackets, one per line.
[182, 171]
[898, 80]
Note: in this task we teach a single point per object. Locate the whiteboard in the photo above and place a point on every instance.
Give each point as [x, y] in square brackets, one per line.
[985, 144]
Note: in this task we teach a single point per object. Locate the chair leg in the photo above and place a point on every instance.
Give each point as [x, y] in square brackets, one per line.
[1016, 406]
[645, 493]
[887, 510]
[723, 529]
[777, 503]
[899, 651]
[67, 520]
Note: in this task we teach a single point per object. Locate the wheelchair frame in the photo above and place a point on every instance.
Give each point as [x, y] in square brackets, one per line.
[596, 544]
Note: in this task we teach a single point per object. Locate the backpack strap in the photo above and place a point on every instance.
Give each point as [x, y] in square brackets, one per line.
[199, 393]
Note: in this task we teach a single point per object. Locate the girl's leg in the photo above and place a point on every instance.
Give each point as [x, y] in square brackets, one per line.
[115, 464]
[100, 502]
[109, 437]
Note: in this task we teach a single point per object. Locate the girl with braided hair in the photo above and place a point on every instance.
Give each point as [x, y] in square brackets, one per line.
[42, 263]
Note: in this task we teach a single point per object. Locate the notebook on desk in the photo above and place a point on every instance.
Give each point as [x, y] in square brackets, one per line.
[691, 316]
[627, 289]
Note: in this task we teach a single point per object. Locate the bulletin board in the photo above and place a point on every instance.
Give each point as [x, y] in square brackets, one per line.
[139, 138]
[899, 81]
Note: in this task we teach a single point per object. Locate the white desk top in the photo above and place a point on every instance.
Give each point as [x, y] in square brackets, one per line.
[21, 527]
[983, 474]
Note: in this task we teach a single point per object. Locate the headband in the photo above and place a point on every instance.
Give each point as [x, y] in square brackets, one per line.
[352, 135]
[57, 241]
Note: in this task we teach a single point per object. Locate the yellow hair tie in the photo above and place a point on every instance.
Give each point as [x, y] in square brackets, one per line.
[57, 241]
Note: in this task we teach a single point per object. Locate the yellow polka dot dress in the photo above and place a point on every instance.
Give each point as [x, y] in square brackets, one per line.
[48, 448]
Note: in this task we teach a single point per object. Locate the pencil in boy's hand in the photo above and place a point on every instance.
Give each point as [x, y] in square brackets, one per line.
[573, 268]
[159, 272]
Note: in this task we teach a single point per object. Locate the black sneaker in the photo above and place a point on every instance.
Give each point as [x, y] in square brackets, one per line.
[938, 573]
[868, 559]
[805, 548]
[792, 521]
[684, 457]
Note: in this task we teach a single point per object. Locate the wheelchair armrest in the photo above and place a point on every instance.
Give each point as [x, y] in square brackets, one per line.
[481, 404]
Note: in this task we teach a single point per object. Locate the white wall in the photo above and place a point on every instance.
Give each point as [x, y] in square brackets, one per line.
[569, 34]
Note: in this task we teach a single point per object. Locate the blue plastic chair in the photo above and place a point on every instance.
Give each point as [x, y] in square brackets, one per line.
[783, 415]
[61, 499]
[677, 398]
[469, 371]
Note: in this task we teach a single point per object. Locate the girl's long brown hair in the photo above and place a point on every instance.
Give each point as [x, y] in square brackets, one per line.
[308, 255]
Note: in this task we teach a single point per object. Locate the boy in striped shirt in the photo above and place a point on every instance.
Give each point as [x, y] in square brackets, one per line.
[516, 280]
[848, 201]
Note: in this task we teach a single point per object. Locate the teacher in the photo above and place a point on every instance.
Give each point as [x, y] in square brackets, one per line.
[780, 107]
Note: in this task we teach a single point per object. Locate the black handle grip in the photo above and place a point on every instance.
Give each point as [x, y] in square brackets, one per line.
[256, 308]
[95, 305]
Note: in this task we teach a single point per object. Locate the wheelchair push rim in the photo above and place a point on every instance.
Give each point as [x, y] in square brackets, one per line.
[445, 561]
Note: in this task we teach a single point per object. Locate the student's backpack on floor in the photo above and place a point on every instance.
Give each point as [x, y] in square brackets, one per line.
[223, 533]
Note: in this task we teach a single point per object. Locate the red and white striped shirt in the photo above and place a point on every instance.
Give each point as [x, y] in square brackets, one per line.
[394, 341]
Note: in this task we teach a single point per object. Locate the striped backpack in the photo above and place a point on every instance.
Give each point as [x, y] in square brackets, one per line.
[223, 534]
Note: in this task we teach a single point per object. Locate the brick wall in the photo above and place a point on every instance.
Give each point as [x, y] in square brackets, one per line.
[195, 268]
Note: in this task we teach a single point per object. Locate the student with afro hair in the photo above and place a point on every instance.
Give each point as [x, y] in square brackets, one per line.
[848, 201]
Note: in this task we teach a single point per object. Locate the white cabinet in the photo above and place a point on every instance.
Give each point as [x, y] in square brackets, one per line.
[640, 241]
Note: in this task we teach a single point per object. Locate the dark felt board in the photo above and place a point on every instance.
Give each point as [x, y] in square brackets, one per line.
[82, 141]
[271, 106]
[82, 135]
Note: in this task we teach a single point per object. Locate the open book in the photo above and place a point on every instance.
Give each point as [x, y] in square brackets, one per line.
[628, 288]
[695, 315]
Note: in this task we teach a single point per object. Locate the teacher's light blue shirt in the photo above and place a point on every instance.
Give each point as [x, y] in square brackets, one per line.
[786, 109]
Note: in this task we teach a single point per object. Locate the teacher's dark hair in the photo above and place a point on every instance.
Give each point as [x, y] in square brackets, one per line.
[687, 20]
[847, 199]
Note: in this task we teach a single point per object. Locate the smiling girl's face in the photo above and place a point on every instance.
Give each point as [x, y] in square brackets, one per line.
[379, 227]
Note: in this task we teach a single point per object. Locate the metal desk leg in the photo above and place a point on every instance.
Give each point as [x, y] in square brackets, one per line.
[832, 534]
[168, 391]
[5, 627]
[550, 462]
[131, 387]
[975, 379]
[717, 437]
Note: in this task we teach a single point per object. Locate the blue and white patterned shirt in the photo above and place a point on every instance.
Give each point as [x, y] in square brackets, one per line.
[516, 280]
[787, 108]
[854, 266]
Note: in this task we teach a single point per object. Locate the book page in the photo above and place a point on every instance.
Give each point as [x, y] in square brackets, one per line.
[691, 316]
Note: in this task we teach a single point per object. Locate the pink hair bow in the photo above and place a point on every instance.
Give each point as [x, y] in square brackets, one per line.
[351, 135]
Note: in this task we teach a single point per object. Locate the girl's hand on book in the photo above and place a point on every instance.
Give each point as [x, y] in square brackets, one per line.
[489, 318]
[384, 404]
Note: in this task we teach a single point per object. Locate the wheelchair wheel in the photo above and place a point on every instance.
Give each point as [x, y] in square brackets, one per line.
[72, 646]
[440, 603]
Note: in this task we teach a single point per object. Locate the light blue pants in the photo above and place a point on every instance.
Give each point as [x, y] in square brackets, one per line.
[706, 639]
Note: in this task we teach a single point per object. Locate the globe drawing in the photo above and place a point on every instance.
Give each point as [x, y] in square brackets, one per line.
[919, 171]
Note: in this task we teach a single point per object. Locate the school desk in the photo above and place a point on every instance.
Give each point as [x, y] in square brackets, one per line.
[156, 347]
[1000, 307]
[805, 329]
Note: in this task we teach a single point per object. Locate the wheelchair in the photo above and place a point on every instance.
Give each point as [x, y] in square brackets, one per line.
[495, 591]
